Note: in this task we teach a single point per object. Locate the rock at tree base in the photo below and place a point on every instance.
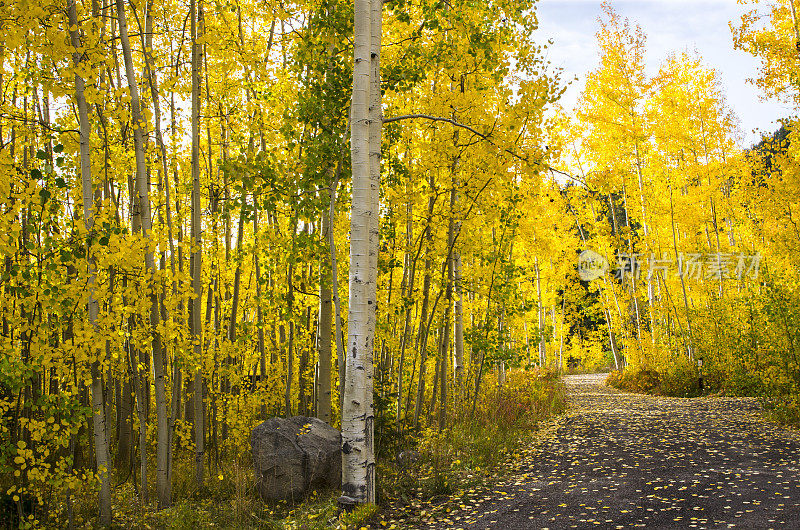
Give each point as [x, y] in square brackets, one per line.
[294, 456]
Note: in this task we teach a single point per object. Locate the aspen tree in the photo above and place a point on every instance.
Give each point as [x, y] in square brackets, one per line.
[325, 319]
[340, 351]
[540, 314]
[458, 326]
[409, 271]
[771, 35]
[196, 329]
[152, 80]
[358, 466]
[422, 335]
[143, 204]
[98, 405]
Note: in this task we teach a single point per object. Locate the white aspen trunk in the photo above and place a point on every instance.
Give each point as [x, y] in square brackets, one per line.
[337, 328]
[611, 340]
[152, 79]
[794, 22]
[409, 270]
[422, 335]
[140, 380]
[527, 341]
[542, 345]
[553, 328]
[262, 355]
[449, 268]
[680, 275]
[358, 485]
[454, 266]
[196, 326]
[646, 230]
[143, 199]
[323, 394]
[237, 275]
[606, 283]
[633, 271]
[98, 405]
[561, 339]
[375, 128]
[445, 347]
[458, 324]
[287, 395]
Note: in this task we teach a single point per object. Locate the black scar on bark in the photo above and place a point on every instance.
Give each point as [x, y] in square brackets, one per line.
[348, 502]
[346, 449]
[350, 488]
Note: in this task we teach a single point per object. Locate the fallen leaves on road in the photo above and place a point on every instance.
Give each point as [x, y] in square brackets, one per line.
[618, 460]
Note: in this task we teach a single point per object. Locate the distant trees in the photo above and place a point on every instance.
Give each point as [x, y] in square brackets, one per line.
[712, 239]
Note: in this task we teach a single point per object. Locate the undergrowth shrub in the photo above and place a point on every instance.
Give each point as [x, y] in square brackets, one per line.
[635, 379]
[749, 343]
[433, 463]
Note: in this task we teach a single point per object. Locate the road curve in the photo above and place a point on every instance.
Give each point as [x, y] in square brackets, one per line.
[619, 460]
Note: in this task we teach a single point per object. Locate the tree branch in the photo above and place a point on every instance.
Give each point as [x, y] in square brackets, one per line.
[485, 137]
[455, 124]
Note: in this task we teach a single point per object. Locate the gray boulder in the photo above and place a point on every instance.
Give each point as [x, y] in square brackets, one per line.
[294, 456]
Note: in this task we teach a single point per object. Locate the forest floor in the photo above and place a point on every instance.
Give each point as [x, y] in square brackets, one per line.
[619, 460]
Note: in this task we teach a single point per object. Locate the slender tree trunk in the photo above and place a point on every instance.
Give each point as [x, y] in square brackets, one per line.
[340, 353]
[445, 341]
[196, 326]
[680, 275]
[458, 338]
[375, 120]
[324, 327]
[152, 80]
[136, 359]
[646, 230]
[143, 199]
[124, 427]
[232, 335]
[290, 313]
[289, 370]
[422, 336]
[437, 364]
[633, 272]
[561, 340]
[237, 275]
[410, 265]
[262, 356]
[304, 404]
[98, 412]
[542, 344]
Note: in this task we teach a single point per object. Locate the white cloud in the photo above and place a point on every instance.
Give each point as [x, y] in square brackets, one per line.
[670, 26]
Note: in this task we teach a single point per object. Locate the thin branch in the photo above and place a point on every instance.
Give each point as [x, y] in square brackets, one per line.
[451, 122]
[485, 137]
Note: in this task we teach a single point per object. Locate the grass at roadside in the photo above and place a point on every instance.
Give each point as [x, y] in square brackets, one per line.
[424, 471]
[473, 452]
[681, 379]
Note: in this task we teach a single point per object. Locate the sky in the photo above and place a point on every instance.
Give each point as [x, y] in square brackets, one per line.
[670, 26]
